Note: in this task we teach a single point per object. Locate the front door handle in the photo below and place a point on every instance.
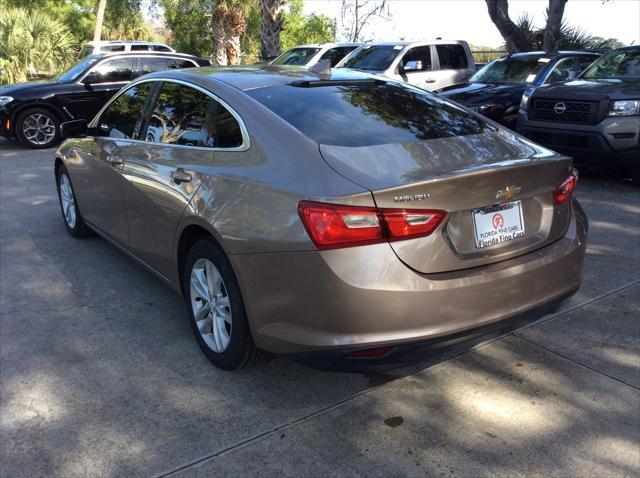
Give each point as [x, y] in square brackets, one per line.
[429, 80]
[180, 176]
[114, 160]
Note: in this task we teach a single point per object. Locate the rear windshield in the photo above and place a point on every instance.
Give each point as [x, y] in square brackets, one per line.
[366, 113]
[511, 70]
[376, 58]
[297, 56]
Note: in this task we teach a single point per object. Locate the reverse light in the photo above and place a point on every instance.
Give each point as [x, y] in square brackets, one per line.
[333, 226]
[564, 192]
[624, 108]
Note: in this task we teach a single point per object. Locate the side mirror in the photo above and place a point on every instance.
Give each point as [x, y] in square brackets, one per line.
[412, 65]
[90, 78]
[74, 129]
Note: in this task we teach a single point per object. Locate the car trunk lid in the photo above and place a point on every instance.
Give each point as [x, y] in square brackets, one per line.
[471, 178]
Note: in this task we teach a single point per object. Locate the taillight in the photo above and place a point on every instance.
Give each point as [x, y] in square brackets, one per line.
[564, 192]
[333, 226]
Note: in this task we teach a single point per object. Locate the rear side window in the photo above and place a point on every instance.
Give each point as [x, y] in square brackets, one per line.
[161, 48]
[151, 64]
[182, 64]
[366, 113]
[228, 133]
[114, 70]
[181, 115]
[139, 47]
[123, 117]
[452, 57]
[111, 48]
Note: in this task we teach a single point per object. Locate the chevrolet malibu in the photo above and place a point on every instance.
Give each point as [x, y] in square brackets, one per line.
[342, 219]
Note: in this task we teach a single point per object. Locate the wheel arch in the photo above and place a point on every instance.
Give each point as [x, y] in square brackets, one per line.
[189, 233]
[38, 104]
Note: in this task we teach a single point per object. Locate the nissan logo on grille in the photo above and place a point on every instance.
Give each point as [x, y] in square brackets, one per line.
[559, 108]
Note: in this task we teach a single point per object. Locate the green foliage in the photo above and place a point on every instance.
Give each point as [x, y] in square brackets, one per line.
[190, 24]
[300, 29]
[571, 38]
[29, 40]
[122, 19]
[600, 43]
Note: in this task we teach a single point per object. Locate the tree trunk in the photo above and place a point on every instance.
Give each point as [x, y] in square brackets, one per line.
[102, 4]
[219, 43]
[271, 26]
[555, 13]
[514, 36]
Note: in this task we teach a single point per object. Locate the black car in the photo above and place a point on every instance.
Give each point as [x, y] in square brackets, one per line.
[496, 90]
[32, 112]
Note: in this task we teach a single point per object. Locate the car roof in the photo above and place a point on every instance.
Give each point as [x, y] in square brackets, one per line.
[326, 45]
[246, 78]
[553, 54]
[146, 53]
[413, 42]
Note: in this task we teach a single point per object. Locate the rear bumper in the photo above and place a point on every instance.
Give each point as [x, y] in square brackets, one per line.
[613, 140]
[334, 302]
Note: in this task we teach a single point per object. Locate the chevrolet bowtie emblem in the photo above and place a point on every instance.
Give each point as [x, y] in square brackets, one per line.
[508, 193]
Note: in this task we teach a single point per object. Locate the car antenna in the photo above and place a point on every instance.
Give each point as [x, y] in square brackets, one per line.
[322, 68]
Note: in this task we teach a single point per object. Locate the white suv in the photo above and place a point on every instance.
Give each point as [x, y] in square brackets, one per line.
[430, 65]
[112, 46]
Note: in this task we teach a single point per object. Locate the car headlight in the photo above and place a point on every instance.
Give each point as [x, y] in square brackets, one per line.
[485, 108]
[5, 100]
[524, 101]
[624, 108]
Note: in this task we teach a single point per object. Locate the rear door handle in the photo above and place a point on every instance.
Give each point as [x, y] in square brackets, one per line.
[180, 176]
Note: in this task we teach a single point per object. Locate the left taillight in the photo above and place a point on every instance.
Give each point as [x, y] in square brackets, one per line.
[333, 226]
[563, 193]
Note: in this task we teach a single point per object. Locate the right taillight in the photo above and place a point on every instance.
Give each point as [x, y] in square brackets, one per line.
[333, 226]
[564, 192]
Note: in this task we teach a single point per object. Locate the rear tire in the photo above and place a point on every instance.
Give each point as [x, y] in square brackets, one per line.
[38, 128]
[71, 215]
[215, 307]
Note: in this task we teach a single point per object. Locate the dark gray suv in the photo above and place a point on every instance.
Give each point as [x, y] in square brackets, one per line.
[595, 118]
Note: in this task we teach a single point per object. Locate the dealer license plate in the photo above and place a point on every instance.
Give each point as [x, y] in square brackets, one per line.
[497, 224]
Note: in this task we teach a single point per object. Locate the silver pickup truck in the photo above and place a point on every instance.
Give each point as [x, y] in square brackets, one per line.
[430, 65]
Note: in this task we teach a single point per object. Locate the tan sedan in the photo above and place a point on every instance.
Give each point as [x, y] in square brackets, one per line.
[345, 220]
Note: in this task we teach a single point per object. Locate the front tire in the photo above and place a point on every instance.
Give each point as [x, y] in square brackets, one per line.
[38, 128]
[215, 307]
[71, 215]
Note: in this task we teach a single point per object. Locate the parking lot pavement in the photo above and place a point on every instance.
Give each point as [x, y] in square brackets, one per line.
[100, 374]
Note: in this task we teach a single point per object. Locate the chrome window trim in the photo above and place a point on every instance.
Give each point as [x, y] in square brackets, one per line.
[246, 142]
[150, 54]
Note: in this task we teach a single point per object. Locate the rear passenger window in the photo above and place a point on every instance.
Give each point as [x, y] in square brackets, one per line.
[228, 133]
[114, 70]
[181, 115]
[452, 57]
[110, 48]
[161, 48]
[139, 47]
[182, 64]
[151, 64]
[123, 117]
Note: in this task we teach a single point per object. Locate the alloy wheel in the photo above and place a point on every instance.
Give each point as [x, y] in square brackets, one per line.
[68, 201]
[39, 129]
[210, 305]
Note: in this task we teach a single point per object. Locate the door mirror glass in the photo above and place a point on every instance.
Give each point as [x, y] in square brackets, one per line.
[74, 129]
[413, 65]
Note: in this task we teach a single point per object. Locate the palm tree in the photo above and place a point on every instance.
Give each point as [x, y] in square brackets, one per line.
[99, 17]
[271, 26]
[570, 38]
[29, 40]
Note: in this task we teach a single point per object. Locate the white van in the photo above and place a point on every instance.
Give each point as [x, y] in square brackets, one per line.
[111, 46]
